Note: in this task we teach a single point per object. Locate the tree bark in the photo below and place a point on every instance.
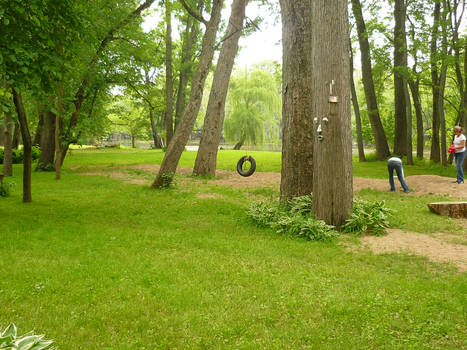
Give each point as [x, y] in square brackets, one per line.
[191, 37]
[7, 142]
[181, 136]
[27, 146]
[435, 149]
[332, 156]
[155, 136]
[206, 159]
[297, 96]
[47, 144]
[16, 137]
[400, 64]
[408, 106]
[240, 143]
[415, 90]
[39, 129]
[356, 109]
[381, 143]
[169, 128]
[58, 146]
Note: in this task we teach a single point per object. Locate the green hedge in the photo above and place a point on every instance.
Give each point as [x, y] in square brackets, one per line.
[18, 155]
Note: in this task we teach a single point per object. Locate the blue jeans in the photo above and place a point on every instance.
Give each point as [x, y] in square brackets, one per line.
[459, 160]
[392, 165]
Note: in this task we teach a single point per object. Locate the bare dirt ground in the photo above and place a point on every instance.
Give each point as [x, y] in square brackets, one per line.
[437, 248]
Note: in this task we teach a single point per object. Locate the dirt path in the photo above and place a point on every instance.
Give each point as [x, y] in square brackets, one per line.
[434, 248]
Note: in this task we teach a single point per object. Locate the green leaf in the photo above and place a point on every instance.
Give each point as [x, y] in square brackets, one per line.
[6, 21]
[11, 330]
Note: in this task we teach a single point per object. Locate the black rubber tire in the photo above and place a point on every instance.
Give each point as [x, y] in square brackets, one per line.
[252, 167]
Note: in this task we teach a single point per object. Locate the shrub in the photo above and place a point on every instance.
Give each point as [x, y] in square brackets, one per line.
[368, 217]
[5, 189]
[18, 155]
[9, 340]
[293, 217]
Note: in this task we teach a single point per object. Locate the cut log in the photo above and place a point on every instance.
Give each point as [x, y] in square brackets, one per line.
[452, 209]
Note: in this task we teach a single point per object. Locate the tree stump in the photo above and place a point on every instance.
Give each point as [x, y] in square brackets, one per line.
[452, 209]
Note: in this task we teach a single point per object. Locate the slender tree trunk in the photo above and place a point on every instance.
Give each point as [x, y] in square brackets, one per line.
[169, 128]
[464, 98]
[155, 136]
[2, 135]
[27, 146]
[58, 146]
[7, 151]
[181, 136]
[39, 129]
[356, 108]
[382, 148]
[435, 149]
[46, 160]
[240, 143]
[297, 121]
[332, 156]
[191, 37]
[16, 137]
[400, 64]
[408, 105]
[442, 116]
[415, 89]
[205, 163]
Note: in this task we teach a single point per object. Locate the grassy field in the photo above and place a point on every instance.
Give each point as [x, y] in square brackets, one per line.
[97, 263]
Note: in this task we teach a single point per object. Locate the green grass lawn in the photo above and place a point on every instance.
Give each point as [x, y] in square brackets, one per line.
[96, 263]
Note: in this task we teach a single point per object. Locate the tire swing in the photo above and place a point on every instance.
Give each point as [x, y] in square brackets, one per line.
[248, 171]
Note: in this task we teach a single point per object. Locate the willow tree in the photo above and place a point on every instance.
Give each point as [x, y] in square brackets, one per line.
[332, 152]
[253, 100]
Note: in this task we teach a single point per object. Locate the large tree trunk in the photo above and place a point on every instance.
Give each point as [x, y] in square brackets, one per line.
[169, 128]
[400, 64]
[27, 146]
[46, 160]
[382, 148]
[205, 163]
[356, 109]
[7, 140]
[297, 130]
[181, 136]
[435, 149]
[332, 156]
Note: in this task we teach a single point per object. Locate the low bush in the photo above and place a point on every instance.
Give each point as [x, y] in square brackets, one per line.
[295, 217]
[368, 217]
[9, 340]
[18, 155]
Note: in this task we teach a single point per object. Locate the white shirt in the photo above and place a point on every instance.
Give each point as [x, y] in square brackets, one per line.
[458, 141]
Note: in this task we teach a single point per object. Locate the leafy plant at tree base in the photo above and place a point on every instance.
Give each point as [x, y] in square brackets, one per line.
[293, 217]
[9, 339]
[368, 217]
